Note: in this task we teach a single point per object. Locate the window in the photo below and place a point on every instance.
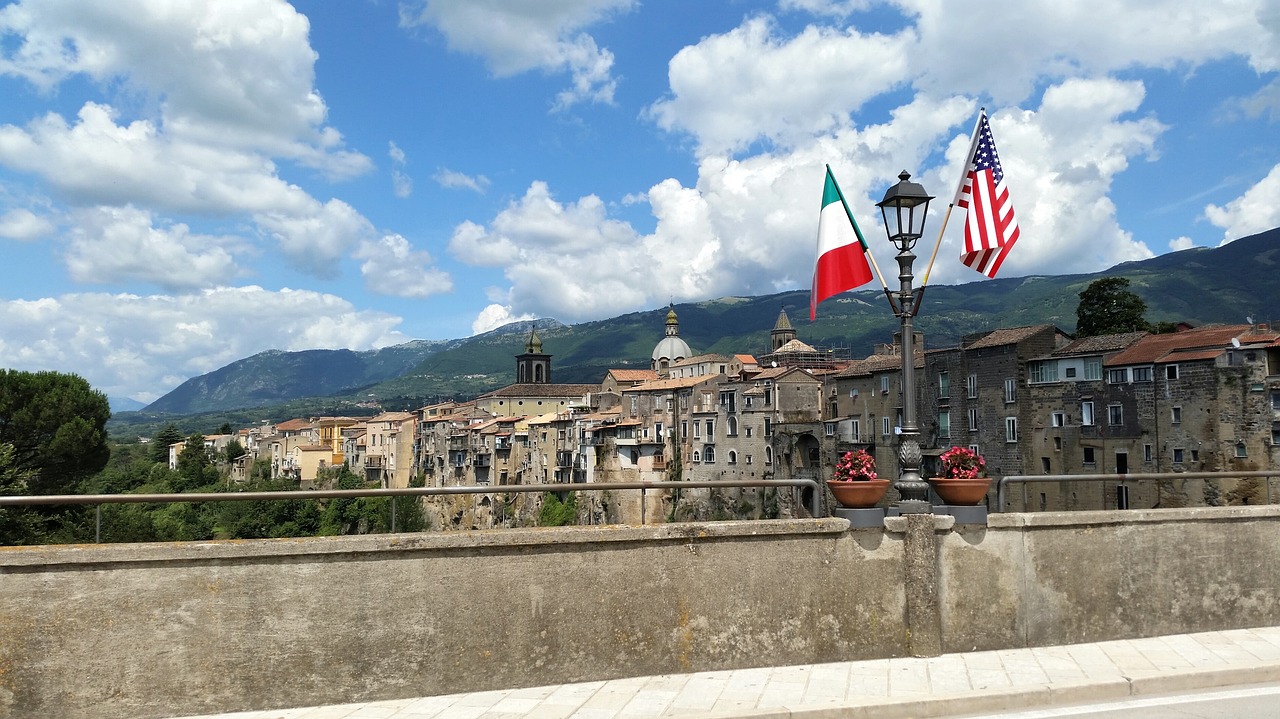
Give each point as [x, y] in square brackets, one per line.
[1275, 433]
[684, 429]
[971, 386]
[1057, 444]
[884, 384]
[768, 427]
[697, 429]
[1177, 455]
[1141, 374]
[1115, 415]
[733, 426]
[1146, 453]
[1118, 376]
[748, 431]
[1010, 390]
[711, 430]
[884, 426]
[830, 428]
[944, 424]
[1089, 460]
[1086, 414]
[1195, 455]
[1171, 371]
[746, 400]
[1059, 419]
[944, 385]
[709, 455]
[1275, 400]
[697, 456]
[748, 459]
[768, 455]
[973, 420]
[1241, 451]
[856, 430]
[1011, 429]
[1046, 468]
[1176, 415]
[657, 430]
[733, 457]
[1093, 368]
[1044, 371]
[1069, 373]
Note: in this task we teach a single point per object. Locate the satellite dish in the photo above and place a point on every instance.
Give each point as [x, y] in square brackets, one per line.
[1249, 320]
[773, 363]
[1235, 342]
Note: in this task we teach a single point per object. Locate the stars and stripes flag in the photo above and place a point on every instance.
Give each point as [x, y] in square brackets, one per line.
[842, 251]
[990, 228]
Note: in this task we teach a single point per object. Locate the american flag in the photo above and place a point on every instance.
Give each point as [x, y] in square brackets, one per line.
[990, 227]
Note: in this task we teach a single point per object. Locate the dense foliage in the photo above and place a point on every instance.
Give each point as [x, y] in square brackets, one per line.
[1108, 307]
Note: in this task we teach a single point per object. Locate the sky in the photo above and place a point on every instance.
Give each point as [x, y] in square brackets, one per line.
[185, 184]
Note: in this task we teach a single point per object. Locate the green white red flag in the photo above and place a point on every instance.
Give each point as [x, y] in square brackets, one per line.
[842, 251]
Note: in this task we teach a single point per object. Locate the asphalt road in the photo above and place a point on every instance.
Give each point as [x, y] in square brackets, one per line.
[1249, 702]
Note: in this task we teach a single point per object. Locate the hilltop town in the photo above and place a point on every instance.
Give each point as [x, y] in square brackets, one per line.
[1032, 400]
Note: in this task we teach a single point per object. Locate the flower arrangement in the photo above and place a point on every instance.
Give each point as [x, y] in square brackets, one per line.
[855, 466]
[963, 463]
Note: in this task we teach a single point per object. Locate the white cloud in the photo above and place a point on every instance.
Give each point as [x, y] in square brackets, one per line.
[118, 245]
[517, 37]
[401, 183]
[316, 236]
[751, 84]
[142, 347]
[24, 225]
[1181, 243]
[494, 316]
[829, 8]
[229, 74]
[1253, 212]
[450, 179]
[392, 267]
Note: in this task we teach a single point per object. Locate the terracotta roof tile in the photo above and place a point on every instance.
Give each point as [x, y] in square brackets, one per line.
[1006, 336]
[1153, 348]
[543, 390]
[633, 375]
[1100, 344]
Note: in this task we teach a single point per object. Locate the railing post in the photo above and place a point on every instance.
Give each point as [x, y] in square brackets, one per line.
[97, 524]
[393, 514]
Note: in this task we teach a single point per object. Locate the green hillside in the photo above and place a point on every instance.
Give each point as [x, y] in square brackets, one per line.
[1200, 286]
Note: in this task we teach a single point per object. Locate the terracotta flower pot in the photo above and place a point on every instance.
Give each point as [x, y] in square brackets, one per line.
[961, 492]
[859, 494]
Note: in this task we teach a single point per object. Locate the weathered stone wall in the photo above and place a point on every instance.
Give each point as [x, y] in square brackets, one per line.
[155, 630]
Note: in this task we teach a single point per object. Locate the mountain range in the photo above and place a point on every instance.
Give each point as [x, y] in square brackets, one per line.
[1225, 284]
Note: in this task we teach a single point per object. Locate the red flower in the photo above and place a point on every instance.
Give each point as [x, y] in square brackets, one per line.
[963, 463]
[855, 466]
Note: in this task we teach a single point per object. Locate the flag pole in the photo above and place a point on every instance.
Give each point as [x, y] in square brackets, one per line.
[964, 172]
[858, 231]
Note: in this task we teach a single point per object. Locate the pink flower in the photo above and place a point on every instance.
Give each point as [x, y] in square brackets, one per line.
[855, 466]
[963, 463]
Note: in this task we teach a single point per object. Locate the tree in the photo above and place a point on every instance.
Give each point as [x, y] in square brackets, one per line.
[56, 424]
[160, 443]
[1108, 307]
[195, 466]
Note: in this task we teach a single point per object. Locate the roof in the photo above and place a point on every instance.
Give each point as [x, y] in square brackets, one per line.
[1099, 344]
[794, 346]
[633, 375]
[776, 372]
[1008, 336]
[673, 383]
[745, 359]
[877, 363]
[293, 425]
[698, 359]
[393, 417]
[1156, 348]
[542, 390]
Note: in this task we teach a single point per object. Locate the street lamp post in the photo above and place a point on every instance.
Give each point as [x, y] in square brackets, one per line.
[903, 209]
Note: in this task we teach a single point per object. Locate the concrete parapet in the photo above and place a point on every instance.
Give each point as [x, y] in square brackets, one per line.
[151, 630]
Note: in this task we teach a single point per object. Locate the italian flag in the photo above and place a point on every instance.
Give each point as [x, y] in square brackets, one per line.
[842, 252]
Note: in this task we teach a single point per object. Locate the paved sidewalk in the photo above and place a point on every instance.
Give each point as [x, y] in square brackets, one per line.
[882, 688]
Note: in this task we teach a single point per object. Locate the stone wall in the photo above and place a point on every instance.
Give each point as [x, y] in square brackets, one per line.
[154, 630]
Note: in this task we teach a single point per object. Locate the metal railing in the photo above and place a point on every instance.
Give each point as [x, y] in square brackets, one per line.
[97, 500]
[1121, 479]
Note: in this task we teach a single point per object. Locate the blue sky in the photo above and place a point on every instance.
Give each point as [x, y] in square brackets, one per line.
[183, 184]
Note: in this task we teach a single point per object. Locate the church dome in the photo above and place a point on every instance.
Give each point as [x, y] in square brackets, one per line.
[671, 349]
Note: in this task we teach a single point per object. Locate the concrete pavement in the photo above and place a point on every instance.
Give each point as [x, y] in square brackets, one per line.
[951, 684]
